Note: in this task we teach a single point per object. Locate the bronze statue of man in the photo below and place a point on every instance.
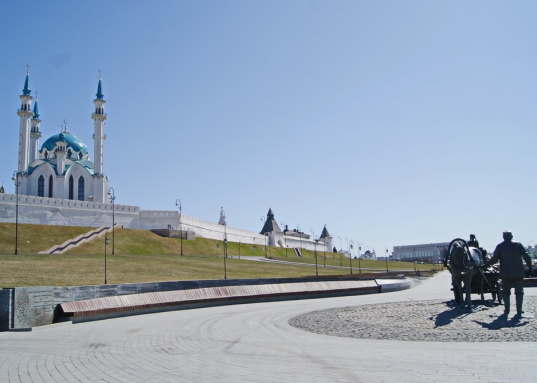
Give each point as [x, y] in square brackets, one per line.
[512, 271]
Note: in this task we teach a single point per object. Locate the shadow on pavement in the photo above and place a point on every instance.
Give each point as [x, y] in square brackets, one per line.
[502, 322]
[453, 311]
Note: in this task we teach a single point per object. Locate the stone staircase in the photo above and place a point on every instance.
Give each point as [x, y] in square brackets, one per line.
[70, 243]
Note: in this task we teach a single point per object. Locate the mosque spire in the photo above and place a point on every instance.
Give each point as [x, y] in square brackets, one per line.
[26, 91]
[25, 113]
[100, 94]
[99, 118]
[36, 109]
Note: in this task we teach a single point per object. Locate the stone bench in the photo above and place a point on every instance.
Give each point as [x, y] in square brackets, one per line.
[134, 304]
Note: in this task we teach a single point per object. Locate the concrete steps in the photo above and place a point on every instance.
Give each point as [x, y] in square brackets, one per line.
[71, 243]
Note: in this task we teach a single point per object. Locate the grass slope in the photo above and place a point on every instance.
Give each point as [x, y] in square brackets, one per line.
[142, 256]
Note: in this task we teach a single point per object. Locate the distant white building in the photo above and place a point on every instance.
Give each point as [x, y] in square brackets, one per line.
[430, 252]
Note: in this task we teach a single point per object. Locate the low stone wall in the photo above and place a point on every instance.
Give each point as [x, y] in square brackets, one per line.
[109, 307]
[169, 233]
[26, 307]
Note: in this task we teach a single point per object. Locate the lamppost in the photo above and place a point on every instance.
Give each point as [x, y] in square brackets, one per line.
[340, 248]
[350, 256]
[225, 247]
[300, 237]
[284, 237]
[225, 256]
[359, 259]
[180, 227]
[17, 184]
[315, 250]
[106, 242]
[386, 259]
[316, 269]
[112, 197]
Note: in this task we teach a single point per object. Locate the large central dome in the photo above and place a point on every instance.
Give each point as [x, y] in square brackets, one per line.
[73, 142]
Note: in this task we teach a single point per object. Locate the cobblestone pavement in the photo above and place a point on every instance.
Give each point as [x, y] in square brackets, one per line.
[255, 343]
[432, 321]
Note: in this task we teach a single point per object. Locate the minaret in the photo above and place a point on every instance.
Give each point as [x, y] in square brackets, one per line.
[35, 134]
[99, 117]
[25, 113]
[61, 147]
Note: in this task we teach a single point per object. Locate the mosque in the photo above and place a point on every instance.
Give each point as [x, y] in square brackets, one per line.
[58, 184]
[61, 168]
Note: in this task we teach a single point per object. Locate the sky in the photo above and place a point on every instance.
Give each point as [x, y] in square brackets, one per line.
[390, 122]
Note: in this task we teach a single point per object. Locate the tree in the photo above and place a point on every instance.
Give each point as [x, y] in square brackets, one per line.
[335, 250]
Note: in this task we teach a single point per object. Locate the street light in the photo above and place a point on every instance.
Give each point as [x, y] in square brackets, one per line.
[315, 250]
[225, 246]
[359, 259]
[316, 269]
[340, 248]
[350, 256]
[386, 259]
[284, 237]
[106, 242]
[113, 199]
[300, 237]
[17, 184]
[225, 256]
[180, 227]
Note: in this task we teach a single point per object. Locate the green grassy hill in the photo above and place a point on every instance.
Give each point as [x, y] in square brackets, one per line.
[142, 256]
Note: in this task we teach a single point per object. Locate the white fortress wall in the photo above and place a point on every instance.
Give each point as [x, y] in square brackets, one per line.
[65, 212]
[160, 219]
[58, 211]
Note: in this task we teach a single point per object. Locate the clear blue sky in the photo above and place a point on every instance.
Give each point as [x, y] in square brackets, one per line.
[392, 122]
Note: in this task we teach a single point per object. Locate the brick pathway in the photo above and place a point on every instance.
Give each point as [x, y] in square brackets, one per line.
[255, 343]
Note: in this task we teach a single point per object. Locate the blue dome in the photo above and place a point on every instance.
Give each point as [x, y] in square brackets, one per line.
[72, 142]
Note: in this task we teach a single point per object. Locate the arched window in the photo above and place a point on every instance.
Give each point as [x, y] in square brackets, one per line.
[69, 153]
[45, 154]
[81, 188]
[50, 187]
[71, 188]
[41, 186]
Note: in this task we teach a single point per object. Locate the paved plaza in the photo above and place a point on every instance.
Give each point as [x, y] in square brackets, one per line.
[256, 343]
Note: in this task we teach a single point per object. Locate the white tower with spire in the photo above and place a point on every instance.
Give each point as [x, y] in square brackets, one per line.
[25, 113]
[35, 133]
[99, 118]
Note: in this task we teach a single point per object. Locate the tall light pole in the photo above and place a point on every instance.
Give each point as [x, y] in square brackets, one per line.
[106, 242]
[340, 248]
[350, 256]
[359, 259]
[315, 250]
[300, 237]
[112, 197]
[225, 246]
[386, 259]
[284, 238]
[178, 203]
[17, 184]
[316, 269]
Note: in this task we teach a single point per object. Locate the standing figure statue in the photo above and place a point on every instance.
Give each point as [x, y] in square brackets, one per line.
[473, 242]
[512, 271]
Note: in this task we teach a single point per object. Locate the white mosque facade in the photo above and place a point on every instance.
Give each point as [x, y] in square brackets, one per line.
[61, 168]
[58, 184]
